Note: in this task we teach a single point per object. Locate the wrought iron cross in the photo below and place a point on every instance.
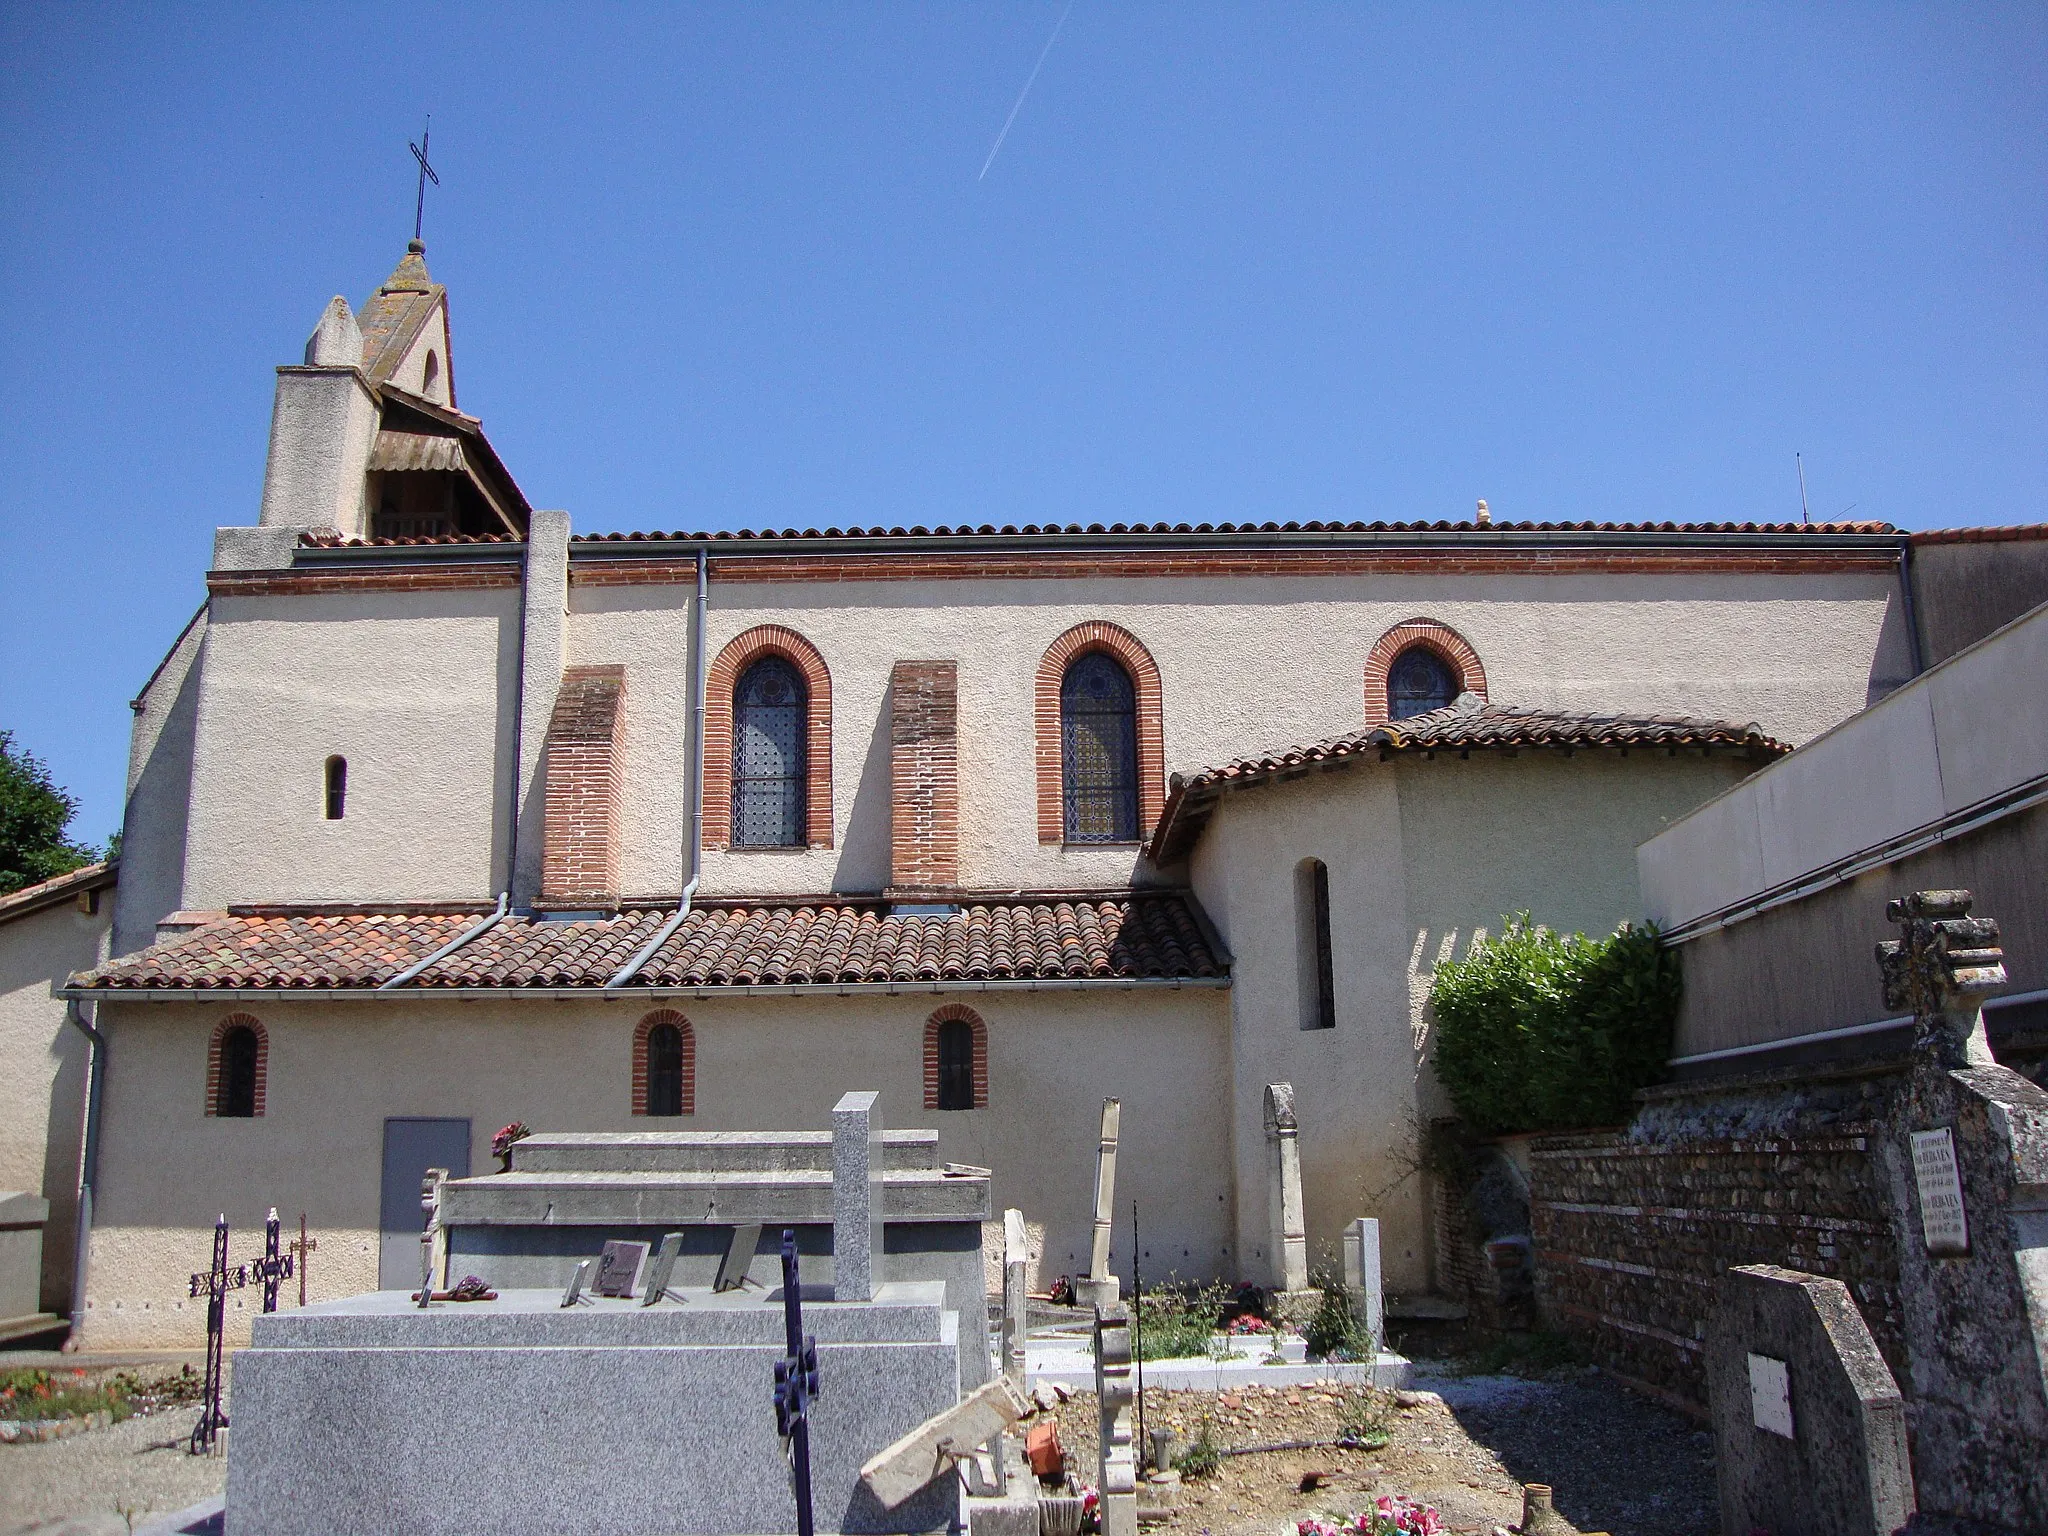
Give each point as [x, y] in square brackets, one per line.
[274, 1266]
[419, 153]
[300, 1249]
[1940, 966]
[214, 1285]
[796, 1384]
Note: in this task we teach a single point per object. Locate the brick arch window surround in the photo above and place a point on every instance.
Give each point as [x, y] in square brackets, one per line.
[946, 1086]
[1445, 643]
[664, 1083]
[237, 1067]
[719, 682]
[1130, 653]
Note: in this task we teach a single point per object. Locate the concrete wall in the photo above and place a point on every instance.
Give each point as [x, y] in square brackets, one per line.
[1967, 730]
[153, 821]
[1424, 857]
[42, 1090]
[415, 689]
[1963, 591]
[336, 1070]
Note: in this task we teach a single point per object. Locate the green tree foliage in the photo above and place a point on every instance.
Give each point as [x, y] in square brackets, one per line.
[1539, 1031]
[33, 815]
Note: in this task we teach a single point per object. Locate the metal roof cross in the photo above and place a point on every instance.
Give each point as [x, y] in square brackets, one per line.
[419, 153]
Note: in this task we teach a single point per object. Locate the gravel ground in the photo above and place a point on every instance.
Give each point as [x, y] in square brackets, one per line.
[1465, 1444]
[136, 1468]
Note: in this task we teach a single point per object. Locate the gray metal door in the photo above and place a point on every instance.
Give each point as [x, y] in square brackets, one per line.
[411, 1147]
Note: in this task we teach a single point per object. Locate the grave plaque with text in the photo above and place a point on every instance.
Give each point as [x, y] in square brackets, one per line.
[1942, 1223]
[1770, 1395]
[618, 1268]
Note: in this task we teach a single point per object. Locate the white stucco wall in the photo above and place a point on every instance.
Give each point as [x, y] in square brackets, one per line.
[42, 1069]
[1795, 654]
[413, 688]
[153, 820]
[1423, 857]
[336, 1070]
[411, 373]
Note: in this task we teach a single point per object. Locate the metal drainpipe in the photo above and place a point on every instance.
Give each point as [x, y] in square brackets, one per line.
[1911, 609]
[89, 1161]
[647, 951]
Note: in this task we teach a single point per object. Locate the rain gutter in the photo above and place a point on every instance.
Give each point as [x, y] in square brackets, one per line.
[89, 1161]
[618, 994]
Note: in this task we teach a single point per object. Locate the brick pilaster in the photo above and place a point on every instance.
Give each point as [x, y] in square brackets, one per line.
[584, 764]
[924, 776]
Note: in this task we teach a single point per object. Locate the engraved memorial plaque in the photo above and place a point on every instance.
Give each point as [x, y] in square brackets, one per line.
[1770, 1395]
[1942, 1223]
[663, 1266]
[739, 1253]
[618, 1268]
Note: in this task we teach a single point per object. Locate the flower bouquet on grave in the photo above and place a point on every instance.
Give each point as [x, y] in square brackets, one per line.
[501, 1144]
[1391, 1515]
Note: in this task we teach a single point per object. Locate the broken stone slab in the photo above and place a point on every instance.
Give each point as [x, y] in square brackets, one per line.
[931, 1450]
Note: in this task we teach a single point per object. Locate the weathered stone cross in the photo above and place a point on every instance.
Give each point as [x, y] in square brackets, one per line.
[1940, 967]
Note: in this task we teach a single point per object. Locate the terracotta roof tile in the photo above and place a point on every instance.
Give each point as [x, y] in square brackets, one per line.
[965, 530]
[1458, 728]
[1114, 937]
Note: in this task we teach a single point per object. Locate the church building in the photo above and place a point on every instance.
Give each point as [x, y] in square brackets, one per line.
[444, 814]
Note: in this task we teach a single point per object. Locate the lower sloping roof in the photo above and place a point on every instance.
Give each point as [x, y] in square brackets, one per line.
[1112, 938]
[1464, 727]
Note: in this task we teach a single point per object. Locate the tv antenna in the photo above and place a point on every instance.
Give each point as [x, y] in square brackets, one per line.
[1800, 464]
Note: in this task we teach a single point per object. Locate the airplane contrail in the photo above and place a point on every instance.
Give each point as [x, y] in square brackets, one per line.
[1029, 81]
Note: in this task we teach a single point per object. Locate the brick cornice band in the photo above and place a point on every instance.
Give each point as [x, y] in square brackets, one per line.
[645, 1027]
[924, 776]
[213, 1048]
[719, 682]
[974, 1023]
[1099, 635]
[1450, 647]
[584, 756]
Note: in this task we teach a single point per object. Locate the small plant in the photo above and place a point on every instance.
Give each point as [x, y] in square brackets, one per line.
[1176, 1323]
[1391, 1515]
[1364, 1420]
[1203, 1455]
[1523, 1354]
[40, 1394]
[1333, 1331]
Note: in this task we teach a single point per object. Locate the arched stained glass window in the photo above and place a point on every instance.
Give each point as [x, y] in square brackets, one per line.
[237, 1099]
[1099, 751]
[1419, 681]
[664, 1070]
[956, 1064]
[769, 765]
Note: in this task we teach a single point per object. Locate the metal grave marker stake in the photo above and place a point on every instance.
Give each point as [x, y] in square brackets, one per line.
[663, 1266]
[214, 1284]
[1943, 1224]
[796, 1384]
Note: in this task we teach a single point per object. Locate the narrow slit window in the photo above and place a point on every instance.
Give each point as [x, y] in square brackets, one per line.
[664, 1070]
[337, 788]
[770, 763]
[1099, 751]
[956, 1064]
[1317, 969]
[238, 1049]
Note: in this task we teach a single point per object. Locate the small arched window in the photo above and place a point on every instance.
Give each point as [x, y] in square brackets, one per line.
[956, 1065]
[234, 1068]
[337, 788]
[1315, 969]
[1419, 681]
[664, 1065]
[1099, 751]
[664, 1070]
[432, 377]
[769, 758]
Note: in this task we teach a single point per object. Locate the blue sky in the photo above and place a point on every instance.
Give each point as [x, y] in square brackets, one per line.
[716, 267]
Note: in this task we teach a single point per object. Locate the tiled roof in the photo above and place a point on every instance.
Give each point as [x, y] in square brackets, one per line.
[2008, 534]
[392, 316]
[47, 893]
[1458, 728]
[1110, 938]
[1441, 526]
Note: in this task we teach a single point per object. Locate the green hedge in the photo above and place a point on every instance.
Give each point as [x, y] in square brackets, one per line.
[1538, 1031]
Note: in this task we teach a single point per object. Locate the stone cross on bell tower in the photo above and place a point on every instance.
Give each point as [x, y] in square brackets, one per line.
[1940, 967]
